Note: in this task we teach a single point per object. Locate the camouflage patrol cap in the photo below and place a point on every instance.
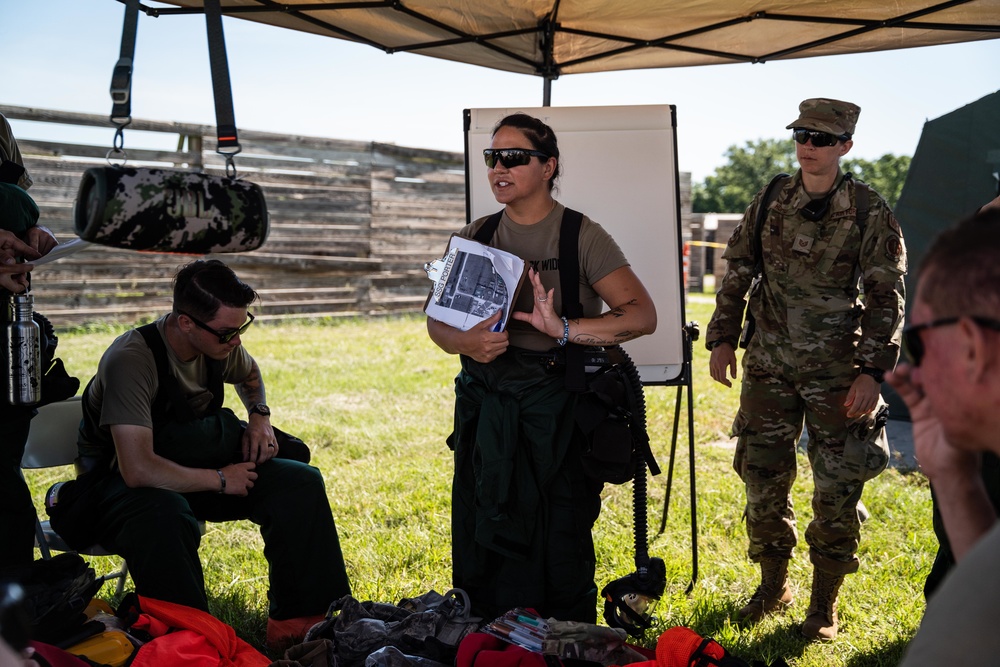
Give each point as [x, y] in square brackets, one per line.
[825, 115]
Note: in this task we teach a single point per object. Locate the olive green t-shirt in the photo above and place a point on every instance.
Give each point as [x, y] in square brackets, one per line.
[538, 246]
[126, 383]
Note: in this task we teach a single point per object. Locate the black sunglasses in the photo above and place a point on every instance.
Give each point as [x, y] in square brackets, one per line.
[224, 336]
[511, 157]
[914, 344]
[819, 139]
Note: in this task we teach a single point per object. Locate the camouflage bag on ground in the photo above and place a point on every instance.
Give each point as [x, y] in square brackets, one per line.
[168, 210]
[430, 626]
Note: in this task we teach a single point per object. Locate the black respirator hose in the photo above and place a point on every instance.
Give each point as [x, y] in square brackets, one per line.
[637, 407]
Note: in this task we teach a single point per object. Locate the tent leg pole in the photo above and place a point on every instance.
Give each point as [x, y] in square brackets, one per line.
[547, 91]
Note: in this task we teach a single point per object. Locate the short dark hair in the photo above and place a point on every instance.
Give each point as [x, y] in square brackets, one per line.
[204, 285]
[960, 273]
[541, 136]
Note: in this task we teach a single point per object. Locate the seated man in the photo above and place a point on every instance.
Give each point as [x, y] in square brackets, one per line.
[163, 455]
[952, 388]
[944, 561]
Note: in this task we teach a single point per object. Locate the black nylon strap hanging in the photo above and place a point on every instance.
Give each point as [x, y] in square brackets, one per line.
[225, 119]
[121, 77]
[569, 285]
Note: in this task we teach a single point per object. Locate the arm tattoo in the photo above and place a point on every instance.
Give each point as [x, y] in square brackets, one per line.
[251, 390]
[620, 337]
[618, 311]
[584, 338]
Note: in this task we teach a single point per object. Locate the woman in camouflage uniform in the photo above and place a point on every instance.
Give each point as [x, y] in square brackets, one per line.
[819, 352]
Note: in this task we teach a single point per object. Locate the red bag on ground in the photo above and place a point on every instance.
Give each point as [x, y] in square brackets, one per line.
[683, 647]
[186, 636]
[479, 649]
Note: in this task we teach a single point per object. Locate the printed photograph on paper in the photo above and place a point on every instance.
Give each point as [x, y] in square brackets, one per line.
[471, 282]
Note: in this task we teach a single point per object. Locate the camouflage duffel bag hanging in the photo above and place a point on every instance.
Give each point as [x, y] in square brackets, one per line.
[166, 210]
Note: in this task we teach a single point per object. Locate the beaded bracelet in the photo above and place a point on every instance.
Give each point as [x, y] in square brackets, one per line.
[565, 338]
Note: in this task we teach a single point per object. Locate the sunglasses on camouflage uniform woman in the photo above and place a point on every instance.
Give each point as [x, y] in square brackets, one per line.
[819, 139]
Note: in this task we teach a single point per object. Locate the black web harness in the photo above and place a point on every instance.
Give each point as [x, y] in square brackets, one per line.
[170, 404]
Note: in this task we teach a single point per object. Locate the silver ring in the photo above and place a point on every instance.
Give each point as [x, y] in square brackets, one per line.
[270, 446]
[545, 299]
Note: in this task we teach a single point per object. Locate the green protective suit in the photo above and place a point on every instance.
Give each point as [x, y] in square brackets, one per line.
[522, 508]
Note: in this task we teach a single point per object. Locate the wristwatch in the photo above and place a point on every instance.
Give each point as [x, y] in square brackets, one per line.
[260, 409]
[876, 373]
[715, 343]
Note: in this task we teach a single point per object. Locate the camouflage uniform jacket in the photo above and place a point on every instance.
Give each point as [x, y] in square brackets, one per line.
[808, 307]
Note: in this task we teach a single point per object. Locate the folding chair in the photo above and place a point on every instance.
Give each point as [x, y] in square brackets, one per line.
[52, 443]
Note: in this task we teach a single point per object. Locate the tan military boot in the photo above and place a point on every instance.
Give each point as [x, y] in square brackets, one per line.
[772, 594]
[821, 619]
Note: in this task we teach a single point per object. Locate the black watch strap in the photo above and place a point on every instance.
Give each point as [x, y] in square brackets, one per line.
[260, 409]
[876, 373]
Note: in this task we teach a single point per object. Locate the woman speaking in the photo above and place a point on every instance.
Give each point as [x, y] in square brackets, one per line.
[522, 506]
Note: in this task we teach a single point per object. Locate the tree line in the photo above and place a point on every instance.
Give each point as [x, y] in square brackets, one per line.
[749, 168]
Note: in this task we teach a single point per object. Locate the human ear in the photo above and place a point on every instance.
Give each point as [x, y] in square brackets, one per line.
[978, 353]
[550, 168]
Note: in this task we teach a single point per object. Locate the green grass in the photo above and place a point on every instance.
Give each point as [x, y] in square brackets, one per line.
[373, 399]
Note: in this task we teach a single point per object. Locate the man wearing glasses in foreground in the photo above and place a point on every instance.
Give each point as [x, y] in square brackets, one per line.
[818, 353]
[951, 386]
[164, 454]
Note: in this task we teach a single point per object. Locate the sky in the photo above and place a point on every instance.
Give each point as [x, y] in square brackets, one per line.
[59, 54]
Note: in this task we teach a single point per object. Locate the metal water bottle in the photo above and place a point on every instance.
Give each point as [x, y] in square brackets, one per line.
[24, 367]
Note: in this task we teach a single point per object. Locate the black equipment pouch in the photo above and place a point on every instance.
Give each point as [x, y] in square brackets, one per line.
[612, 415]
[55, 592]
[603, 416]
[610, 412]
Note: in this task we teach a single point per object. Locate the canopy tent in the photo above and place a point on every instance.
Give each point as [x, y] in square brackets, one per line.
[549, 38]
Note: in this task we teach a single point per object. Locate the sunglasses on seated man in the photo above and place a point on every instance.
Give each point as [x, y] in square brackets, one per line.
[819, 139]
[914, 344]
[511, 157]
[224, 336]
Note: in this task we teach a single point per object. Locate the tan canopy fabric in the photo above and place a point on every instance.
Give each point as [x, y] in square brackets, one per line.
[550, 38]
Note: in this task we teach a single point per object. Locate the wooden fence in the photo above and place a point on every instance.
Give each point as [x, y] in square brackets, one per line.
[352, 223]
